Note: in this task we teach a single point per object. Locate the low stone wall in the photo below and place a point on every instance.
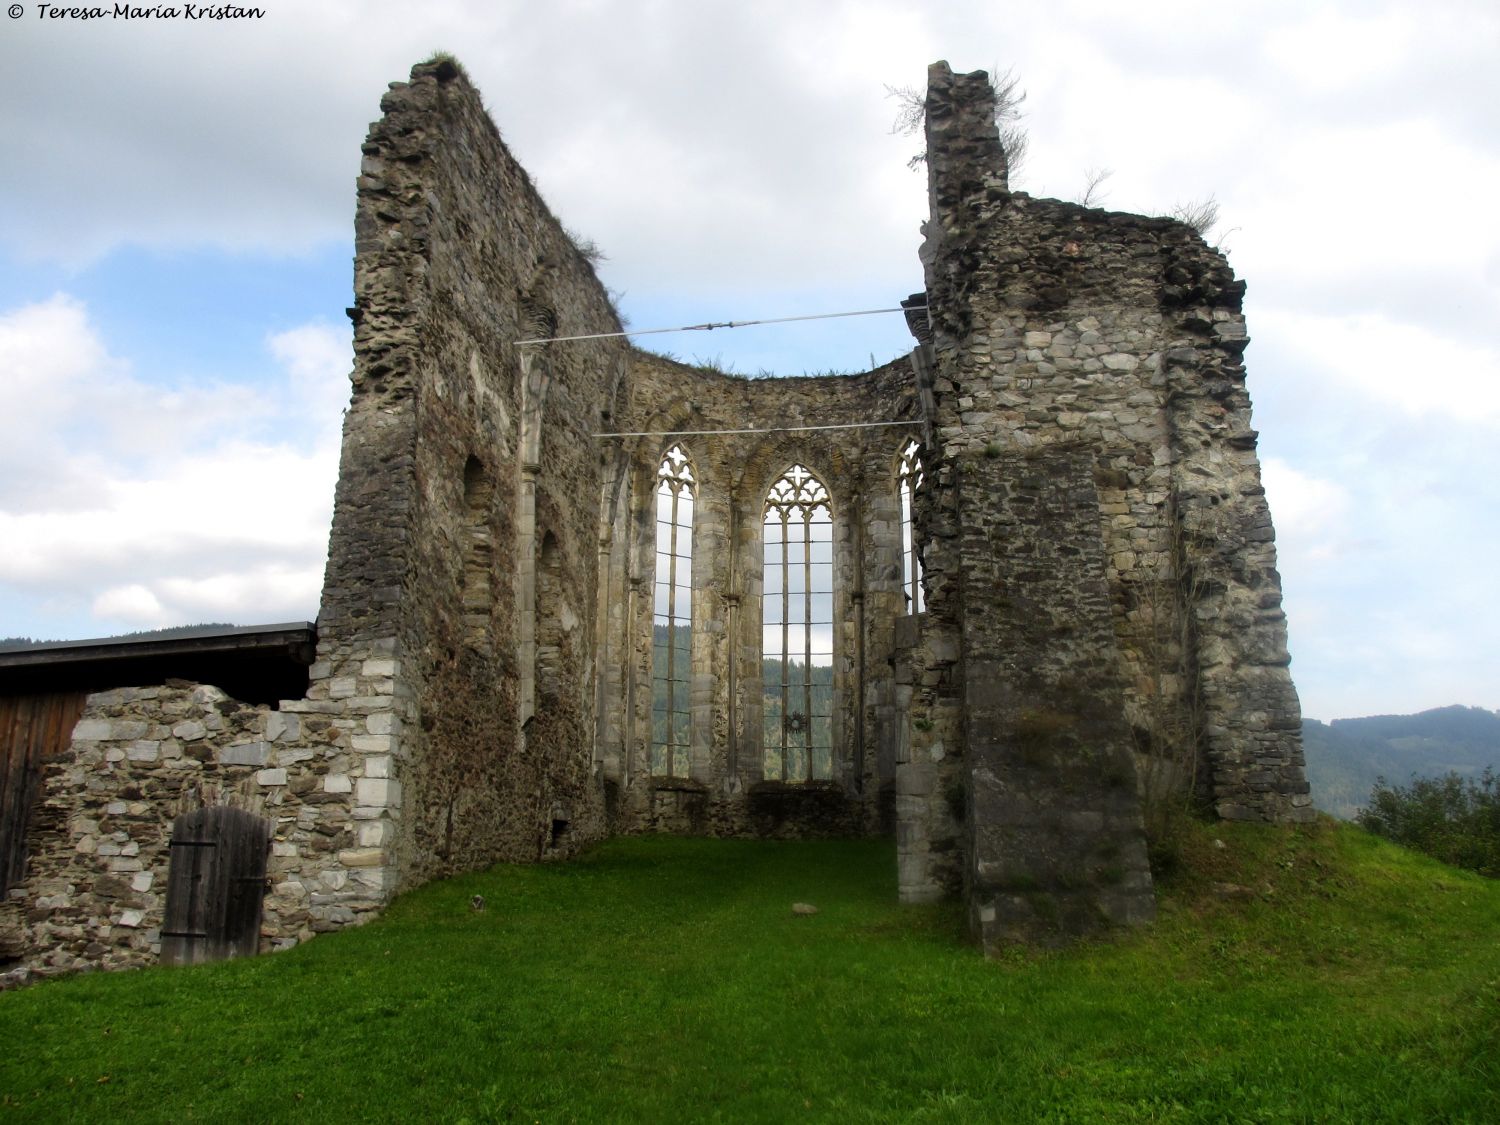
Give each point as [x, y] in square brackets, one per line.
[321, 772]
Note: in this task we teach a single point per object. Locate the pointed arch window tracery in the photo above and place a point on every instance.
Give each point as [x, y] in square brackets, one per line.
[797, 629]
[672, 615]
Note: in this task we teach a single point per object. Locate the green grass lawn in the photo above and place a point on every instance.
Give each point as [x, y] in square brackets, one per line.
[667, 980]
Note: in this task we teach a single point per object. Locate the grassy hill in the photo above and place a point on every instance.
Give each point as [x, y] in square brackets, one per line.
[1346, 756]
[1293, 976]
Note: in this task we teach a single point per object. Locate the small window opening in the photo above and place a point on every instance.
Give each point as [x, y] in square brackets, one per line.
[909, 480]
[478, 553]
[556, 623]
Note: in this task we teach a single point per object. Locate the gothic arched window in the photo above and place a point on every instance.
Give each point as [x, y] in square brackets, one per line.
[672, 616]
[797, 629]
[908, 480]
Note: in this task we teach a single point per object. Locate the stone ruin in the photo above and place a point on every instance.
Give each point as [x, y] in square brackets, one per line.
[575, 588]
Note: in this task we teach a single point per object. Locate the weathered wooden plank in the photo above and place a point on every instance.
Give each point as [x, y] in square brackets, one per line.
[215, 886]
[245, 878]
[185, 926]
[34, 729]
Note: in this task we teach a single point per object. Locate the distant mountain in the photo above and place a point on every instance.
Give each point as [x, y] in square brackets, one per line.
[1345, 757]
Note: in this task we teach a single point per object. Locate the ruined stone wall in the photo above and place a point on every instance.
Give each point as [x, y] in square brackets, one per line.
[98, 856]
[1058, 325]
[1100, 572]
[473, 463]
[726, 791]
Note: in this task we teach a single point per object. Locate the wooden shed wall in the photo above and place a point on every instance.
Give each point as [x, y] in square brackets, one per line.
[34, 729]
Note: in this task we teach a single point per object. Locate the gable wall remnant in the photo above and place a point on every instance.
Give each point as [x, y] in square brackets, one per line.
[457, 260]
[1057, 326]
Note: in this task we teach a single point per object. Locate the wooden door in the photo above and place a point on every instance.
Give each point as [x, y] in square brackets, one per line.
[215, 885]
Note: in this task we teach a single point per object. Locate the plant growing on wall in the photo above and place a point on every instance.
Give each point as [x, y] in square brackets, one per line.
[911, 117]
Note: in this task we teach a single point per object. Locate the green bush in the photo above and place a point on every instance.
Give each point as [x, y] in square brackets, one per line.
[1452, 818]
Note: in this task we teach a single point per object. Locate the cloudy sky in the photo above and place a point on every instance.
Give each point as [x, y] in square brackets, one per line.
[176, 200]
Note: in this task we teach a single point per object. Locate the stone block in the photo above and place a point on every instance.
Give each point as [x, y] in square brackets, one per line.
[271, 777]
[376, 833]
[338, 783]
[282, 727]
[372, 743]
[362, 857]
[143, 750]
[374, 878]
[378, 765]
[916, 779]
[245, 754]
[377, 792]
[381, 722]
[379, 667]
[94, 730]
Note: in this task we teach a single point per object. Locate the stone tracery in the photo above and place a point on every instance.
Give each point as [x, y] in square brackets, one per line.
[672, 615]
[797, 629]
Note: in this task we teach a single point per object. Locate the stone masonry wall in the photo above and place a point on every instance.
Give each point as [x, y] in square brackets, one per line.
[1055, 841]
[474, 461]
[482, 689]
[140, 757]
[1055, 324]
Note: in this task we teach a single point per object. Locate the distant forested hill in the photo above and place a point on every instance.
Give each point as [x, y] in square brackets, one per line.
[1345, 757]
[12, 643]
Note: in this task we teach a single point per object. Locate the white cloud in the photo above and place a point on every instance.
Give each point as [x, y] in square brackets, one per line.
[318, 357]
[133, 604]
[1309, 512]
[1404, 365]
[175, 511]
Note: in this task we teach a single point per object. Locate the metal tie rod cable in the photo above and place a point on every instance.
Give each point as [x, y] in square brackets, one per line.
[765, 430]
[711, 326]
